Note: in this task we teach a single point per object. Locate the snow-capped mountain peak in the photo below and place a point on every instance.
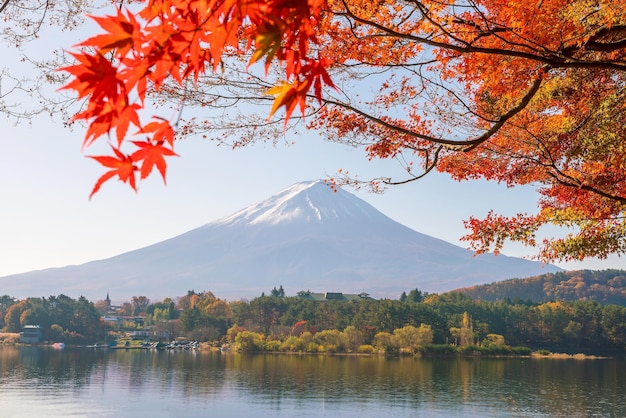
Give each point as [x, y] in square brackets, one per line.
[305, 237]
[309, 202]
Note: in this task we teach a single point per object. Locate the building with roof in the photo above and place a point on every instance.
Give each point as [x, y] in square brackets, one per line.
[322, 297]
[31, 334]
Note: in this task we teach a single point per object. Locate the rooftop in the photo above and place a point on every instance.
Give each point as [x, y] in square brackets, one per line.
[321, 297]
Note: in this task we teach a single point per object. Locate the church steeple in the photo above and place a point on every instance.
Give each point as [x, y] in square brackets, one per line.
[108, 300]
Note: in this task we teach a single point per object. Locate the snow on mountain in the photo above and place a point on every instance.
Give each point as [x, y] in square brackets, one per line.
[305, 202]
[307, 237]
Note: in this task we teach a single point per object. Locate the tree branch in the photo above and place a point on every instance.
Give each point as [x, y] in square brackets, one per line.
[466, 145]
[553, 59]
[429, 167]
[4, 5]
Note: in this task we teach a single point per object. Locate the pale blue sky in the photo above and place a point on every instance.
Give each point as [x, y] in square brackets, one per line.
[47, 219]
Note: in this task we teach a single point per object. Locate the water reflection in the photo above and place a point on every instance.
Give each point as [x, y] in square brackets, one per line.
[98, 382]
[35, 365]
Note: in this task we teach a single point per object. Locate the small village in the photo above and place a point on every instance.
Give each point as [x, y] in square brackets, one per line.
[417, 323]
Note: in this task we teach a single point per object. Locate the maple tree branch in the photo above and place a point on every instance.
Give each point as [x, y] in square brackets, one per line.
[4, 5]
[428, 169]
[429, 166]
[459, 99]
[595, 42]
[578, 185]
[554, 60]
[395, 128]
[554, 172]
[493, 29]
[455, 144]
[508, 115]
[591, 219]
[569, 181]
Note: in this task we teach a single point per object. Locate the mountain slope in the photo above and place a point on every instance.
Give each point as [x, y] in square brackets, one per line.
[305, 237]
[605, 287]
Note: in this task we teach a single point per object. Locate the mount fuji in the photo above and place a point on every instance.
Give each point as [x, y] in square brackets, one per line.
[306, 237]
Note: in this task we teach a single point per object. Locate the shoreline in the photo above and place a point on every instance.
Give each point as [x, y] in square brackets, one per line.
[577, 356]
[208, 348]
[13, 339]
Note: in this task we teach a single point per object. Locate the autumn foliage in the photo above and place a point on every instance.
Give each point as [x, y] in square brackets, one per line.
[181, 40]
[524, 93]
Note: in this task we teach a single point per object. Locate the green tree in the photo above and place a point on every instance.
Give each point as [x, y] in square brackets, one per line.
[61, 309]
[232, 332]
[140, 303]
[386, 342]
[35, 314]
[56, 333]
[353, 338]
[293, 344]
[161, 311]
[331, 341]
[614, 324]
[86, 319]
[495, 340]
[191, 318]
[410, 337]
[415, 295]
[278, 293]
[266, 311]
[248, 341]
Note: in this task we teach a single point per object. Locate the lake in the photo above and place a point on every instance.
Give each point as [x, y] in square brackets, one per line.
[42, 382]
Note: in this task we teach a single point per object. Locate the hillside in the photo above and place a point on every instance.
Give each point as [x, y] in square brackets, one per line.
[306, 237]
[603, 286]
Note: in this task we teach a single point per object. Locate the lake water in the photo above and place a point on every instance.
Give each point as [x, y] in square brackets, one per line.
[41, 382]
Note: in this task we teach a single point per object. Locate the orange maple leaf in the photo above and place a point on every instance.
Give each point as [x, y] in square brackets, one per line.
[316, 71]
[119, 36]
[163, 131]
[152, 155]
[121, 166]
[93, 75]
[290, 96]
[107, 115]
[178, 39]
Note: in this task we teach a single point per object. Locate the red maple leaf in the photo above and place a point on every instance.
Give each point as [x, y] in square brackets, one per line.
[119, 35]
[122, 167]
[163, 131]
[93, 75]
[151, 155]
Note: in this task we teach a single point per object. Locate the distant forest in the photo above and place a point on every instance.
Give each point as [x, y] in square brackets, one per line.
[602, 286]
[416, 322]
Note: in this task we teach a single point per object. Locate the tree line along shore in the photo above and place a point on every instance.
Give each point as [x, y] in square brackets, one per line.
[415, 323]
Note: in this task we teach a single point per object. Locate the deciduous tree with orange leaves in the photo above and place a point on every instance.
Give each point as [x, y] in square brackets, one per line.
[524, 93]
